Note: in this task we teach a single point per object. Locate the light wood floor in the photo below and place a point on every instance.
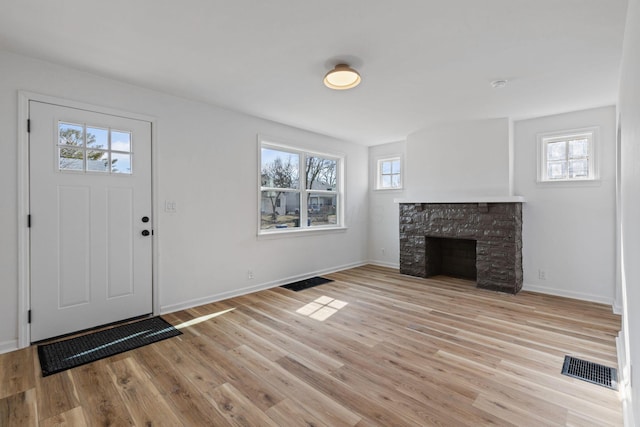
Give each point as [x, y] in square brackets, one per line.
[394, 351]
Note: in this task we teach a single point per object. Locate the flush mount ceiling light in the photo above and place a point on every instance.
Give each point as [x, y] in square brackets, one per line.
[342, 77]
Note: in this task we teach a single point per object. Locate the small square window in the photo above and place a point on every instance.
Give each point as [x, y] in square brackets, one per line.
[389, 174]
[567, 156]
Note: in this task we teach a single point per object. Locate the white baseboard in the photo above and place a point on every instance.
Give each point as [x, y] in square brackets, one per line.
[617, 308]
[255, 288]
[627, 413]
[385, 264]
[569, 294]
[624, 383]
[7, 346]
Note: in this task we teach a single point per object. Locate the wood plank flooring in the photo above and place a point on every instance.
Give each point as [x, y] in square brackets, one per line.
[372, 348]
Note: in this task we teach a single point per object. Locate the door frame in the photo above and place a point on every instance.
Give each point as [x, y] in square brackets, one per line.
[24, 248]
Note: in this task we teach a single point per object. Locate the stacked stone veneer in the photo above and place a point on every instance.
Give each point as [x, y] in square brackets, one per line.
[496, 227]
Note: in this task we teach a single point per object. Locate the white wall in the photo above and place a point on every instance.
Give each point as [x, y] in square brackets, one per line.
[568, 229]
[207, 164]
[384, 227]
[629, 113]
[468, 158]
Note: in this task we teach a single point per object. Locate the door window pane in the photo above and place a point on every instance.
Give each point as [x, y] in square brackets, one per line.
[70, 134]
[71, 159]
[121, 141]
[97, 138]
[120, 163]
[97, 161]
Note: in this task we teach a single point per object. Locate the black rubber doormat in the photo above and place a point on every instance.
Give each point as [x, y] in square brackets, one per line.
[590, 372]
[62, 355]
[306, 284]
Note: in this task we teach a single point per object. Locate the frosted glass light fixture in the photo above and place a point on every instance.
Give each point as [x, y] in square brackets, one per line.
[342, 77]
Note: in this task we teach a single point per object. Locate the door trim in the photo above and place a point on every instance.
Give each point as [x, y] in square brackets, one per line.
[24, 249]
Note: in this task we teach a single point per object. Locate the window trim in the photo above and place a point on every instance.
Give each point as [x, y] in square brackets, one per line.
[378, 171]
[591, 133]
[273, 143]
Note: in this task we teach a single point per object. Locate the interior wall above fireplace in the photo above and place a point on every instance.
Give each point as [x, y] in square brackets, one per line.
[466, 158]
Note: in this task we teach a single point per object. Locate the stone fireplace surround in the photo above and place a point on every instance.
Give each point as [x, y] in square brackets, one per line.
[495, 225]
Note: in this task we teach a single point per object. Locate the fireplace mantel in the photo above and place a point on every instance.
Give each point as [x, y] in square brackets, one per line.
[464, 199]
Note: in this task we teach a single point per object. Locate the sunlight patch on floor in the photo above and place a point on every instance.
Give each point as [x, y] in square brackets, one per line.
[202, 318]
[322, 308]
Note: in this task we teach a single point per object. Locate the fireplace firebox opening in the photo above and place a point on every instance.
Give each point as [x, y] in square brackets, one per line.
[451, 257]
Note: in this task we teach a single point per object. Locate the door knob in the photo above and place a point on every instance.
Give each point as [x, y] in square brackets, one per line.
[145, 232]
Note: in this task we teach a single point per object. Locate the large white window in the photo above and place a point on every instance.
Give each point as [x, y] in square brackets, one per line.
[567, 156]
[389, 174]
[299, 190]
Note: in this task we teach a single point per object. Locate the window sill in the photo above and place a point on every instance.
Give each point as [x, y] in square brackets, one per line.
[571, 183]
[389, 190]
[299, 232]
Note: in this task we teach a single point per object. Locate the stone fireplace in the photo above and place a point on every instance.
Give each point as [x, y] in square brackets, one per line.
[480, 241]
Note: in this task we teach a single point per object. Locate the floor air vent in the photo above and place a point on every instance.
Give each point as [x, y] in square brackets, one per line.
[591, 372]
[307, 283]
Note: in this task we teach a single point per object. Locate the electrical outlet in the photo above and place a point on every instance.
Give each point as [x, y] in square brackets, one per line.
[382, 250]
[542, 275]
[250, 275]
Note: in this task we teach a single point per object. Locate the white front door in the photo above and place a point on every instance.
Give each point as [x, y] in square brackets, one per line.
[90, 206]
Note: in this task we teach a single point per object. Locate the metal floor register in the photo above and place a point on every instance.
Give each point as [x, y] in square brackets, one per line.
[590, 372]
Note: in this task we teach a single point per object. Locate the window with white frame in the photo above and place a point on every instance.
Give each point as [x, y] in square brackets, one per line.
[299, 190]
[389, 174]
[567, 156]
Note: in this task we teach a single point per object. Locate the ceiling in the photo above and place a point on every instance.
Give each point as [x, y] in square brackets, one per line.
[421, 61]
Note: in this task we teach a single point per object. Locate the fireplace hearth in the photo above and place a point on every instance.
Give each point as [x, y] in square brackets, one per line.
[476, 241]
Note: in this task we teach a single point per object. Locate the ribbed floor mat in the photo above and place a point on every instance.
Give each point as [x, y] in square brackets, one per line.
[305, 284]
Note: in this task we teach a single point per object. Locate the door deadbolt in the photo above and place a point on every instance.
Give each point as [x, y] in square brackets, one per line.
[145, 219]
